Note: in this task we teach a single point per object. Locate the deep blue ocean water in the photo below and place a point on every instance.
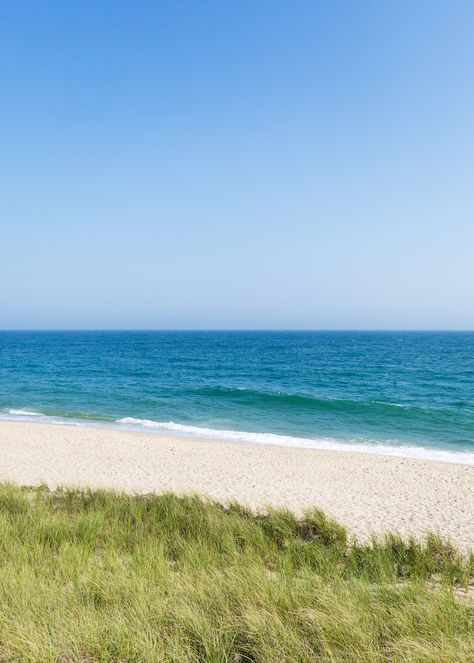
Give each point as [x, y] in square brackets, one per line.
[409, 393]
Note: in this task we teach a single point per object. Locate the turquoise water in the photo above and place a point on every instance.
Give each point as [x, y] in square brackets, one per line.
[409, 393]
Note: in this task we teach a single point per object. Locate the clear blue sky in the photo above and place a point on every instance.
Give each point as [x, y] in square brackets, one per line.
[251, 164]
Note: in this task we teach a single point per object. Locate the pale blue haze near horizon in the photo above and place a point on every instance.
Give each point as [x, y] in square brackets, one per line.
[237, 165]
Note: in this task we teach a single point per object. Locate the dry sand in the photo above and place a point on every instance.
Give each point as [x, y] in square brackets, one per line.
[366, 492]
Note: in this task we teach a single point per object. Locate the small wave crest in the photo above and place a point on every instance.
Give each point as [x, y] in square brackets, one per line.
[312, 403]
[25, 413]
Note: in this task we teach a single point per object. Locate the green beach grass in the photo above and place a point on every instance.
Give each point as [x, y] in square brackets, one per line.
[99, 576]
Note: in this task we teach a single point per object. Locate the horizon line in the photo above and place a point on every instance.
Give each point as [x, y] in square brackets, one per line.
[237, 330]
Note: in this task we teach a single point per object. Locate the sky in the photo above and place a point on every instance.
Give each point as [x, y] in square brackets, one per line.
[244, 165]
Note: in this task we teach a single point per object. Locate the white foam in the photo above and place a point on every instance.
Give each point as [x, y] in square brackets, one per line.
[37, 417]
[25, 413]
[385, 448]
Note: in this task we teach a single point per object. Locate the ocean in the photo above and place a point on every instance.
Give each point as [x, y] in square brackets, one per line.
[400, 393]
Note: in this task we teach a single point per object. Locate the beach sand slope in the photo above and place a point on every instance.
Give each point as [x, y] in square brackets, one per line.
[367, 493]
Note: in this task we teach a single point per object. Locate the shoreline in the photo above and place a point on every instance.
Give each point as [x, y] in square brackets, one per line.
[368, 493]
[187, 431]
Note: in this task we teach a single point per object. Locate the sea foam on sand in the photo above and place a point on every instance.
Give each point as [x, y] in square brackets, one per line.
[358, 445]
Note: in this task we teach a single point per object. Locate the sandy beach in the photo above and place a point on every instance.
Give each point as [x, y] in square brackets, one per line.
[366, 492]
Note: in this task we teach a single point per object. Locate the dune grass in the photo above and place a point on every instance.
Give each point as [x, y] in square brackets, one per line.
[98, 576]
